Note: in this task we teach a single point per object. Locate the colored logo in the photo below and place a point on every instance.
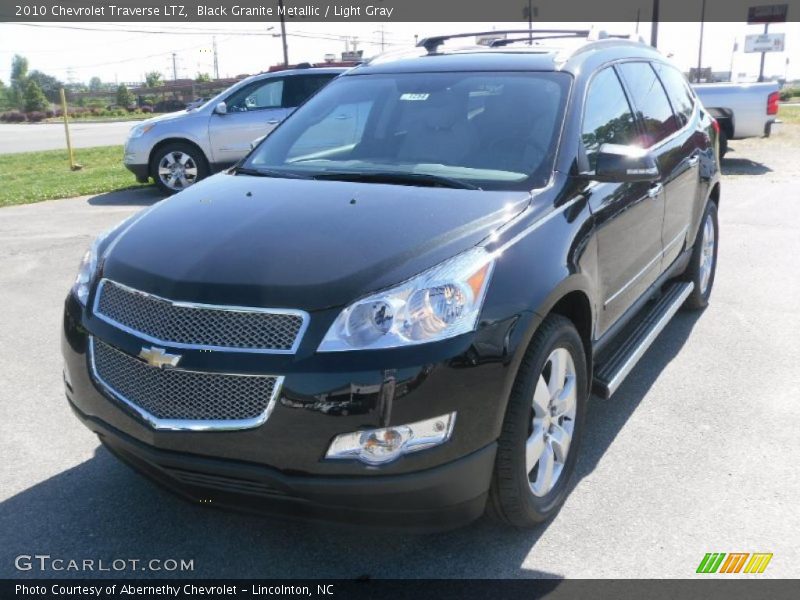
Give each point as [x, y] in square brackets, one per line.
[734, 562]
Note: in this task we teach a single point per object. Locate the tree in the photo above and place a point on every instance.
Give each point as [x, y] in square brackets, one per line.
[19, 73]
[49, 84]
[153, 79]
[35, 100]
[124, 96]
[202, 78]
[95, 84]
[4, 103]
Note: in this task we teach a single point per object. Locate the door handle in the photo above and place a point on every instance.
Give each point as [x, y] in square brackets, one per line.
[694, 160]
[273, 121]
[654, 190]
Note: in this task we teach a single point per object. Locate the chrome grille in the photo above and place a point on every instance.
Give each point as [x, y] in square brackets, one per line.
[179, 399]
[203, 326]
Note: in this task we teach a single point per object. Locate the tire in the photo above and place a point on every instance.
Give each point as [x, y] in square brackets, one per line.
[699, 271]
[513, 497]
[176, 166]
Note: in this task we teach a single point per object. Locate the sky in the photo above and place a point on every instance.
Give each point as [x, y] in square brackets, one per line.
[123, 52]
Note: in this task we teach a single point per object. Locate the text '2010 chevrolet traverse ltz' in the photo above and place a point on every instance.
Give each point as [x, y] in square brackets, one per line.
[395, 308]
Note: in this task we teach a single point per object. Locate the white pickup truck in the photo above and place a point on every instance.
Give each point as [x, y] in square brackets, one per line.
[742, 110]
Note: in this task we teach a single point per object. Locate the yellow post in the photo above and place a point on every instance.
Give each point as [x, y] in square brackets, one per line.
[72, 164]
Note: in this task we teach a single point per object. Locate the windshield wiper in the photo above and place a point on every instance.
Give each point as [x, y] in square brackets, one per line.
[268, 173]
[422, 179]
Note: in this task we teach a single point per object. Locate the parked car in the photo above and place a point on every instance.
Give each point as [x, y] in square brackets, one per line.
[742, 110]
[181, 148]
[394, 309]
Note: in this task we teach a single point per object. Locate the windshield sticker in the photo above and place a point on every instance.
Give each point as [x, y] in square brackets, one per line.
[414, 97]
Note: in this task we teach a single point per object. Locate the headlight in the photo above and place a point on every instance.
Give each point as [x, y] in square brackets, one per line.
[140, 130]
[440, 303]
[86, 272]
[88, 266]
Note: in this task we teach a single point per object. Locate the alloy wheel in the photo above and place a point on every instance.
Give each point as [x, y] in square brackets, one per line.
[707, 253]
[554, 406]
[177, 170]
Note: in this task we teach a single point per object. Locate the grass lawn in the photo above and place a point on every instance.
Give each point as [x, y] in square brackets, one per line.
[789, 114]
[34, 176]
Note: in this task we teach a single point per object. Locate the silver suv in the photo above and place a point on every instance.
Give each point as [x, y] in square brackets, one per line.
[180, 148]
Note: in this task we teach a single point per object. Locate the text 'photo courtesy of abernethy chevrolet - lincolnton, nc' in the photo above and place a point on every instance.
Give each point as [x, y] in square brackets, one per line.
[393, 310]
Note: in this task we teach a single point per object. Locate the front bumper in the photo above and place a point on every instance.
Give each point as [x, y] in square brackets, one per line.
[136, 158]
[279, 466]
[142, 172]
[440, 498]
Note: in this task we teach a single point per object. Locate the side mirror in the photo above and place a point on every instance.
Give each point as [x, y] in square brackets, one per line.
[221, 108]
[256, 142]
[618, 163]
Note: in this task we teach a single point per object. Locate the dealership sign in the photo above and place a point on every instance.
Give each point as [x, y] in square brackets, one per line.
[766, 42]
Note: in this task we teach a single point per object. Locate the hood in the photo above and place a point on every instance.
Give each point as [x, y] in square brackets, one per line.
[289, 243]
[167, 117]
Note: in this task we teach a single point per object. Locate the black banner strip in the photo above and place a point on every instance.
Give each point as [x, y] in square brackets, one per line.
[443, 11]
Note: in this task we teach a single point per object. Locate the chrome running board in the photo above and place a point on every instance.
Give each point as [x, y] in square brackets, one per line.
[610, 374]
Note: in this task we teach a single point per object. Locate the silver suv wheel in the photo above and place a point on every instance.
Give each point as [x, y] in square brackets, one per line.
[177, 170]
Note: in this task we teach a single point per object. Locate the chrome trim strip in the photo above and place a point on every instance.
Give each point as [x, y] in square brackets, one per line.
[647, 267]
[188, 424]
[677, 238]
[658, 327]
[221, 307]
[661, 254]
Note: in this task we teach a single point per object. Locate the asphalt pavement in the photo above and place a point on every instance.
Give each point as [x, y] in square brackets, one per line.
[30, 137]
[697, 452]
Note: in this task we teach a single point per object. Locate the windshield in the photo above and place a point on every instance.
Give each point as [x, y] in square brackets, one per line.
[485, 130]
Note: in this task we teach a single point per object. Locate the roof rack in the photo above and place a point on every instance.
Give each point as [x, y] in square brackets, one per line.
[431, 44]
[549, 35]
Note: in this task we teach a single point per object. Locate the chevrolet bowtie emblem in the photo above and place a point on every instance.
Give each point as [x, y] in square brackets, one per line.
[158, 357]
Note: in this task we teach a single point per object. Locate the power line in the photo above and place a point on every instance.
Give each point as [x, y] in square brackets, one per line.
[189, 31]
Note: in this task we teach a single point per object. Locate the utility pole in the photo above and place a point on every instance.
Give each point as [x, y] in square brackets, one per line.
[654, 26]
[383, 42]
[700, 49]
[174, 67]
[530, 12]
[216, 60]
[530, 22]
[283, 34]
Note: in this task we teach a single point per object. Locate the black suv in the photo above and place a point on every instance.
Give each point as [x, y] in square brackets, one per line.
[396, 307]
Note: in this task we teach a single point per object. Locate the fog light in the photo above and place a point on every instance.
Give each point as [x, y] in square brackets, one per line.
[380, 446]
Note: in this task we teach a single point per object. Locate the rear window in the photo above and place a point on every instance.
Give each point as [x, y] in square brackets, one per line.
[678, 91]
[491, 130]
[650, 101]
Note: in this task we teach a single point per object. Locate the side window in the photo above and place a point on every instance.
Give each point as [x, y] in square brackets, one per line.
[650, 100]
[301, 87]
[607, 117]
[258, 96]
[678, 90]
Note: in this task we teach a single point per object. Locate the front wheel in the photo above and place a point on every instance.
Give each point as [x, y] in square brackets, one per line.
[176, 166]
[538, 446]
[703, 264]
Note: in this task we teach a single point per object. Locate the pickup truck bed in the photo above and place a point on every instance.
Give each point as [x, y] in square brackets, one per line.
[742, 110]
